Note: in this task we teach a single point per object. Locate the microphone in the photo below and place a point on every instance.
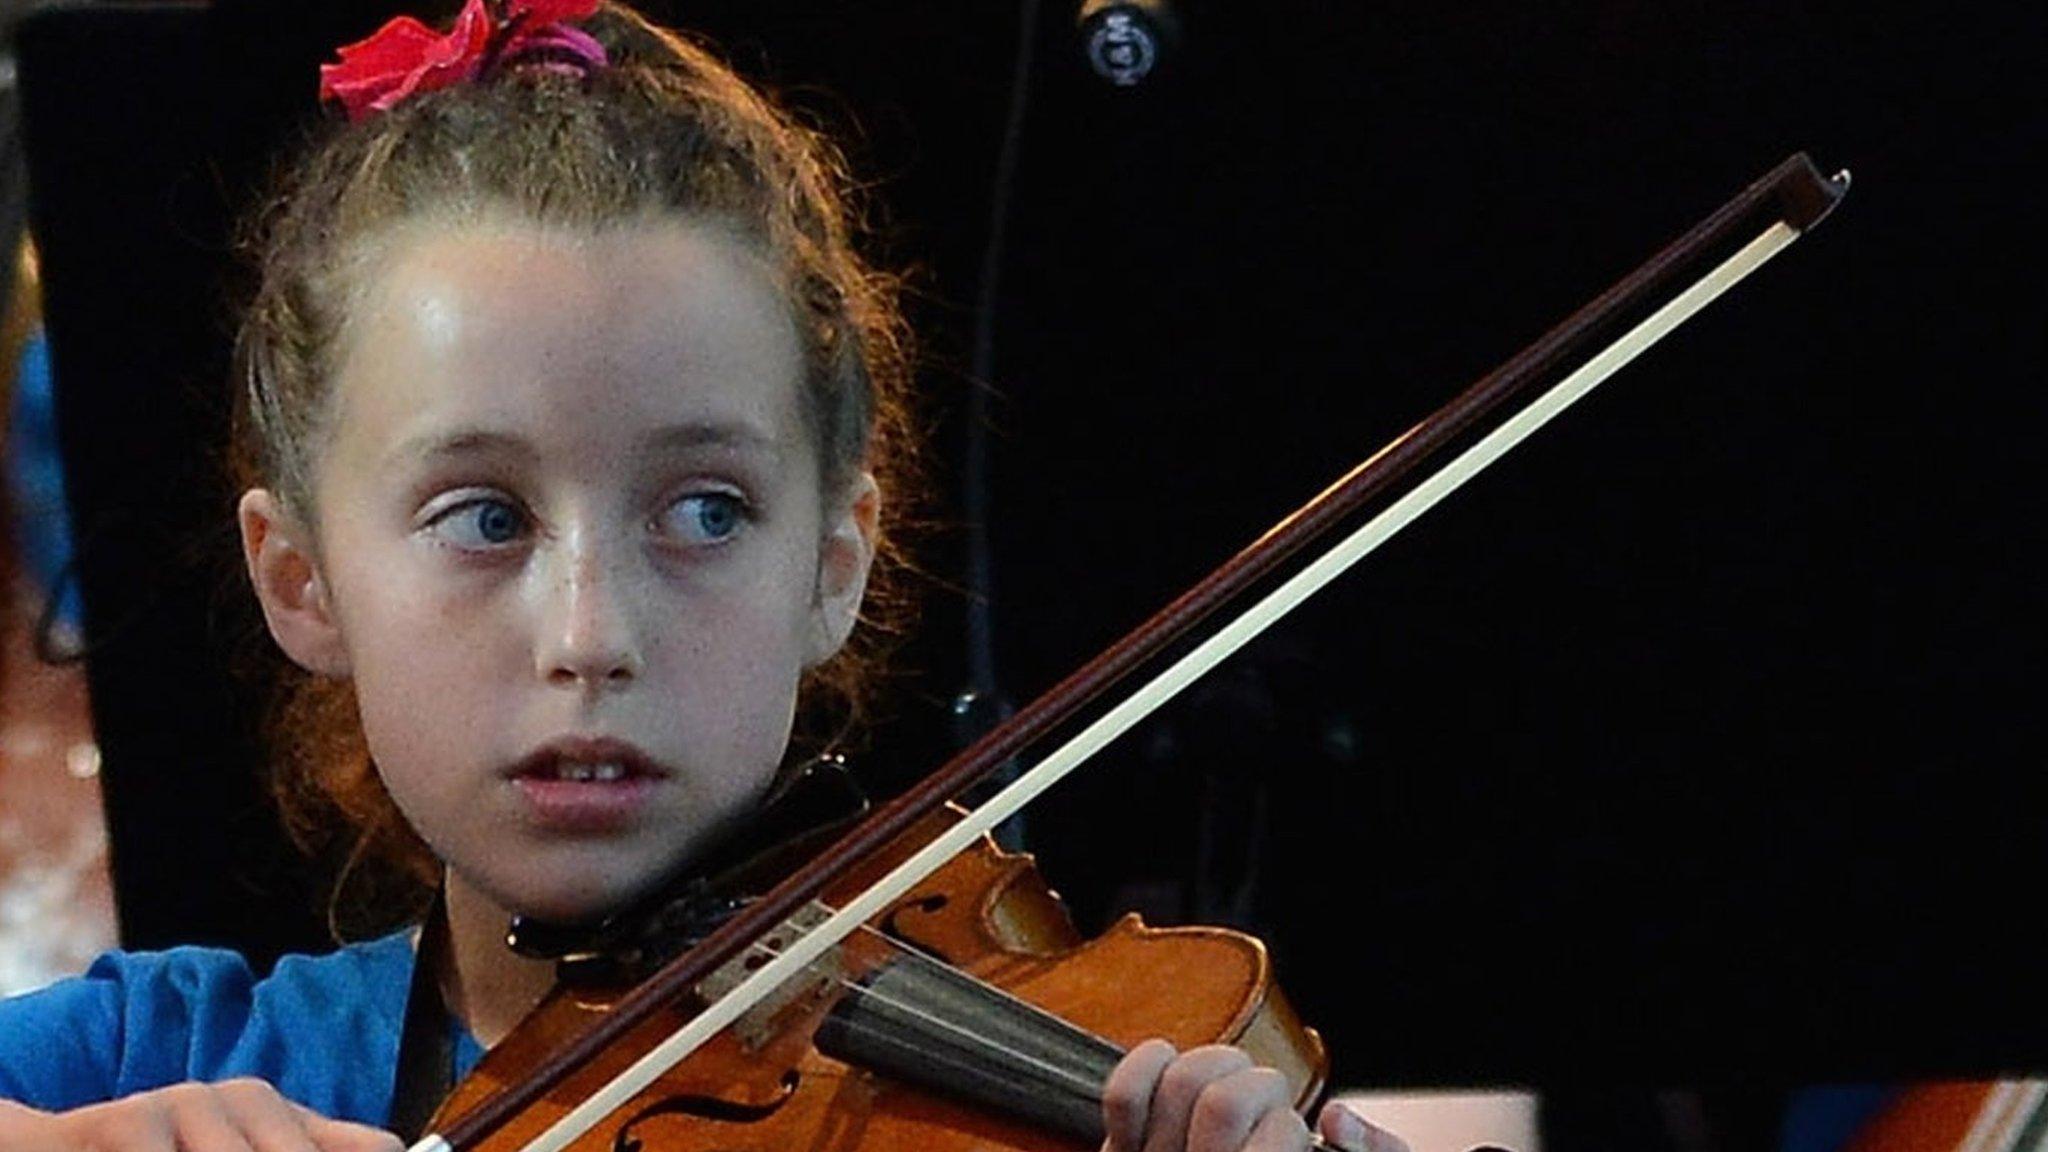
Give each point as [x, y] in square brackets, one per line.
[1125, 40]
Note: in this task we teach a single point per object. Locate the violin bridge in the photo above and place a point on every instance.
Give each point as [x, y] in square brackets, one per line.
[816, 986]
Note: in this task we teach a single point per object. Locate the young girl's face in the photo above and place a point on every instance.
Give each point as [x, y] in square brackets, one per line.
[571, 547]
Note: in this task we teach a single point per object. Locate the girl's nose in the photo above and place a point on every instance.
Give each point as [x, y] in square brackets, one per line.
[588, 637]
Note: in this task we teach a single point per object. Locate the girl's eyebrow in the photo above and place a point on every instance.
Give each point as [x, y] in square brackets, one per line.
[735, 436]
[458, 442]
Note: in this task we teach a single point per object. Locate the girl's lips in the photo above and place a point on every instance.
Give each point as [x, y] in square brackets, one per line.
[583, 784]
[585, 806]
[581, 757]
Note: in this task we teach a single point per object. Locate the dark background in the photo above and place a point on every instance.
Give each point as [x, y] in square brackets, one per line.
[1692, 744]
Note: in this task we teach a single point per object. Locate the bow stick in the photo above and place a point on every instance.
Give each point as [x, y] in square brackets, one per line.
[1651, 301]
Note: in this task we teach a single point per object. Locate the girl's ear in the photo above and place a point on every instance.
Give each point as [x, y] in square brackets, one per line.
[845, 553]
[286, 572]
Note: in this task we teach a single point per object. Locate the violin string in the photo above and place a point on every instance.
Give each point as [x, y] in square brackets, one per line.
[918, 955]
[1079, 1083]
[1085, 1087]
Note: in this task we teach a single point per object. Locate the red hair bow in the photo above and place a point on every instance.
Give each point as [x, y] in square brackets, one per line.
[405, 56]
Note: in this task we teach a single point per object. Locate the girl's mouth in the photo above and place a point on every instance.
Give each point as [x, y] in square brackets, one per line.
[603, 759]
[586, 784]
[608, 772]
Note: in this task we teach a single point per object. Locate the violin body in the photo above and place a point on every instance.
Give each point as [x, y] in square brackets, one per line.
[768, 1084]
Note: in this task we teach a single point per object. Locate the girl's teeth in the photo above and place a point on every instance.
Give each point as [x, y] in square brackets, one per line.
[591, 773]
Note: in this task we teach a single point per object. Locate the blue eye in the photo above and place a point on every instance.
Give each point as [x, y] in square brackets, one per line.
[481, 523]
[706, 517]
[498, 523]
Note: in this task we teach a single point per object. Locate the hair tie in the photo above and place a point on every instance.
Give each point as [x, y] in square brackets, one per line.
[405, 56]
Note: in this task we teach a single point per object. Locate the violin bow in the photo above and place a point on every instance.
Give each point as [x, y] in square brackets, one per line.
[1644, 306]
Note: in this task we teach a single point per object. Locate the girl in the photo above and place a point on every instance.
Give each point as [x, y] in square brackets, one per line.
[567, 415]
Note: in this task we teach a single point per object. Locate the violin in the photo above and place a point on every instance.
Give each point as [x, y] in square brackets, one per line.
[910, 986]
[971, 1008]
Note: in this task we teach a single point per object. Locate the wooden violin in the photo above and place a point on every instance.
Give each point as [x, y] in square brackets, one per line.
[971, 1014]
[911, 987]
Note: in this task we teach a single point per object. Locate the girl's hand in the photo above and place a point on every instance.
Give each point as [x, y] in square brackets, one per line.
[231, 1116]
[1214, 1099]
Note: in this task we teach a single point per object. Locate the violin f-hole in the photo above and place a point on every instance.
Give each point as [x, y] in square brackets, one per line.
[706, 1108]
[894, 929]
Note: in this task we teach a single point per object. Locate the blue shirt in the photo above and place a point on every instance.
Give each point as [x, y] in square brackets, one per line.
[323, 1029]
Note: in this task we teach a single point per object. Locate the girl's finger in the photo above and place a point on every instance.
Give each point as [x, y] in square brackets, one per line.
[342, 1136]
[133, 1125]
[268, 1121]
[1127, 1095]
[330, 1135]
[200, 1120]
[1348, 1130]
[1232, 1106]
[1279, 1131]
[1173, 1101]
